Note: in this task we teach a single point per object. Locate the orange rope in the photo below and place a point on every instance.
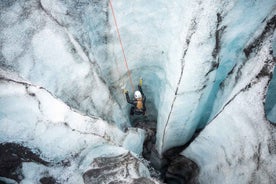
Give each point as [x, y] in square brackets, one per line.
[114, 17]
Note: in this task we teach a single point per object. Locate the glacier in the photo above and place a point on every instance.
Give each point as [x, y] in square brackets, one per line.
[208, 76]
[64, 138]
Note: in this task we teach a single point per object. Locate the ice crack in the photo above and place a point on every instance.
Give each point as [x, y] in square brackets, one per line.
[192, 30]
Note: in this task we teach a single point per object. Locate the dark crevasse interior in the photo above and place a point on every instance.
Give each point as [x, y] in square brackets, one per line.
[173, 168]
[11, 157]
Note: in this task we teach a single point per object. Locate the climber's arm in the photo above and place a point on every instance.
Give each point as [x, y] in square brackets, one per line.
[128, 99]
[140, 87]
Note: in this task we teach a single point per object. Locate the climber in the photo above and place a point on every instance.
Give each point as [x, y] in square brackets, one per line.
[139, 101]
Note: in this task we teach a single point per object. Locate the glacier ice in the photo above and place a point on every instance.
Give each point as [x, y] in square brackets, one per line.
[48, 54]
[238, 144]
[186, 78]
[33, 117]
[203, 63]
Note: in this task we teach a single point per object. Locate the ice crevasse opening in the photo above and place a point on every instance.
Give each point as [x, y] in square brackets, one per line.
[185, 56]
[195, 58]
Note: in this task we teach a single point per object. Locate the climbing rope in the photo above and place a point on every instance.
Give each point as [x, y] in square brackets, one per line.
[119, 37]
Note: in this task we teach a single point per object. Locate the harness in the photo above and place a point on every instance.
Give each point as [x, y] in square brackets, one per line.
[139, 104]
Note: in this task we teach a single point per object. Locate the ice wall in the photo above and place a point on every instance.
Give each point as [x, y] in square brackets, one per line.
[215, 47]
[168, 32]
[194, 57]
[189, 48]
[51, 53]
[72, 49]
[66, 140]
[56, 45]
[238, 145]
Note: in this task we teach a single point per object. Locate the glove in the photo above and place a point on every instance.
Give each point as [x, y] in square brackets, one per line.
[140, 81]
[125, 91]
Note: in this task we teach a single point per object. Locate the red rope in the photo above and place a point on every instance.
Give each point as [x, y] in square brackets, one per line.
[114, 17]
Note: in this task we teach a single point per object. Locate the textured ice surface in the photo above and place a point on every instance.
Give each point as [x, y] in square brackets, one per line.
[239, 143]
[44, 51]
[197, 60]
[31, 116]
[183, 50]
